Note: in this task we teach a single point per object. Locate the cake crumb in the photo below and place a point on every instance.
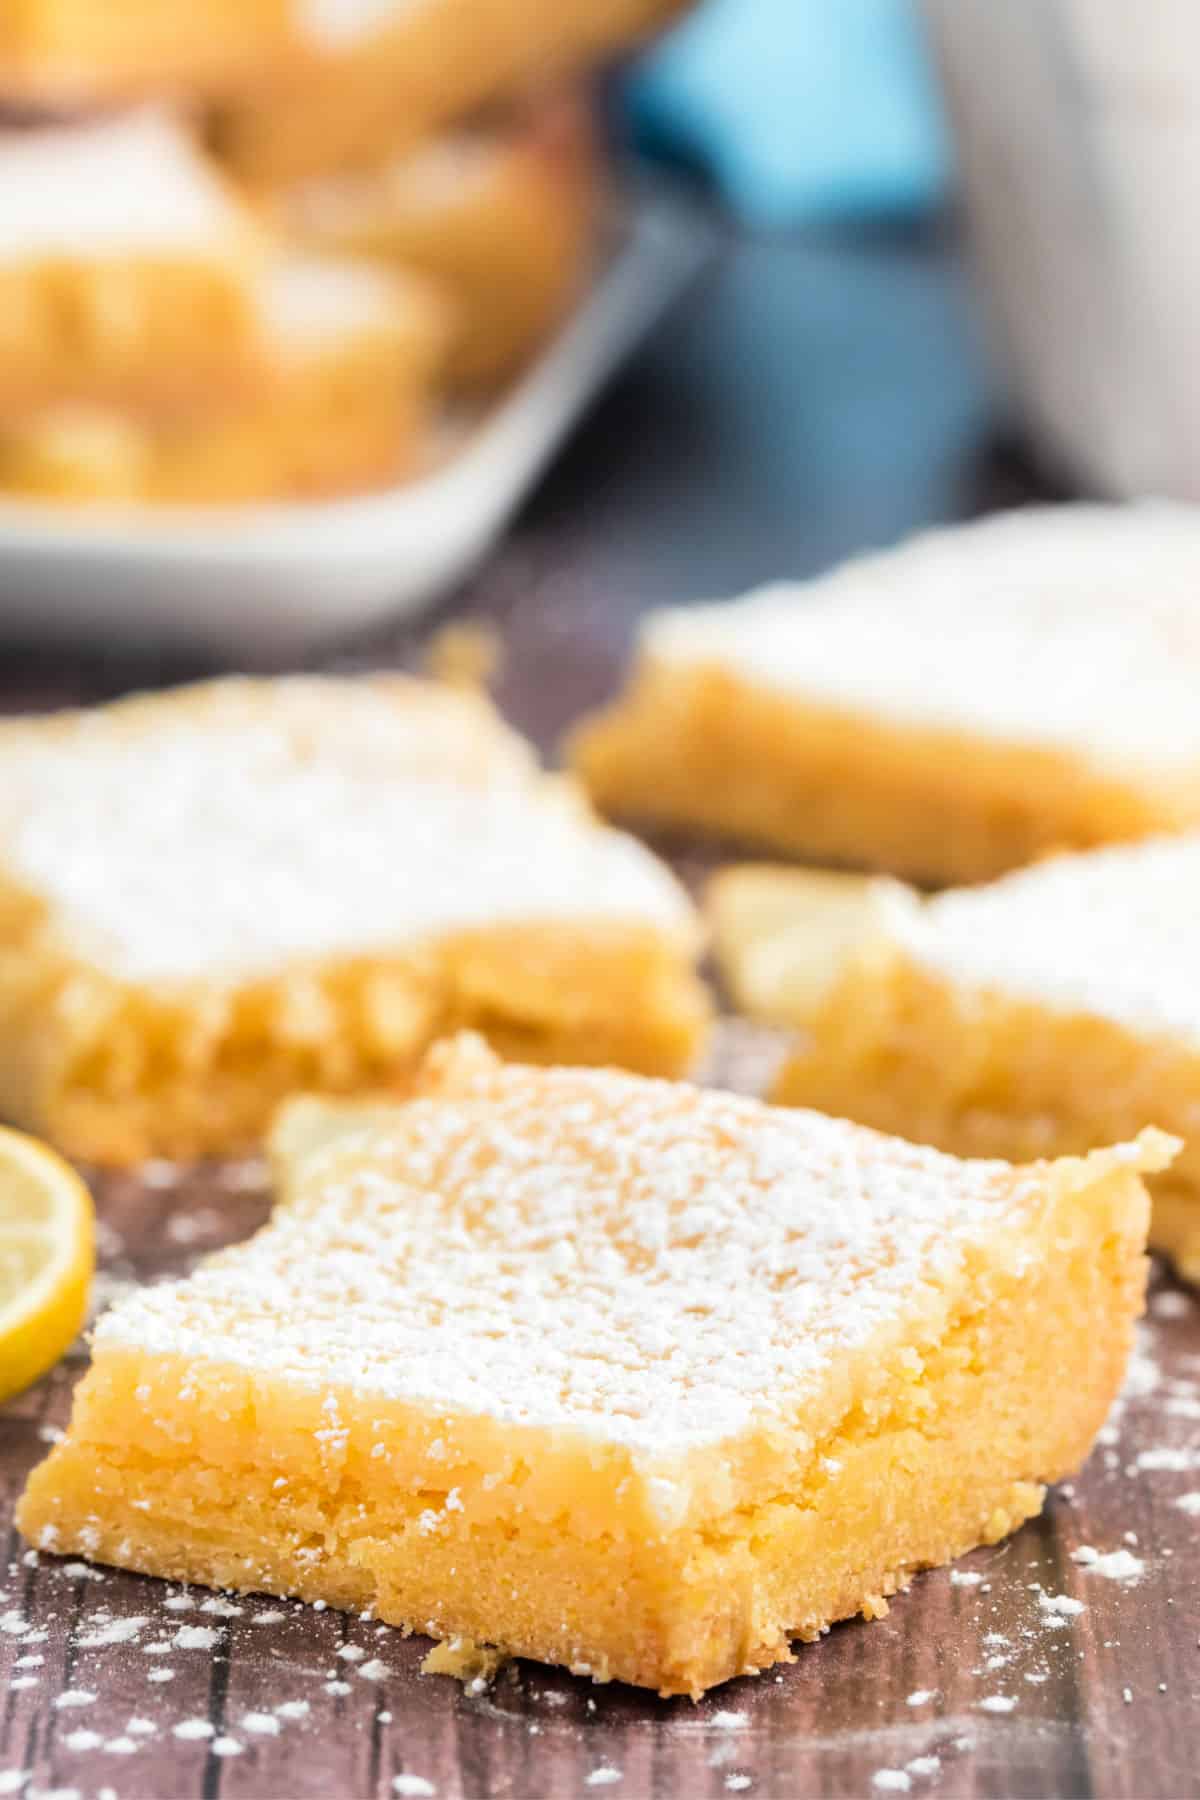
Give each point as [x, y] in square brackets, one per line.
[997, 1703]
[464, 1660]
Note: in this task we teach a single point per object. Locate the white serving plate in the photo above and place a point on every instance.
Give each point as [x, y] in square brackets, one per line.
[265, 581]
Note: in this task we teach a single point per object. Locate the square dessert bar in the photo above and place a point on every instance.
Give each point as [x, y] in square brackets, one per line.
[216, 897]
[371, 80]
[350, 358]
[610, 1372]
[944, 711]
[1054, 1010]
[503, 214]
[128, 269]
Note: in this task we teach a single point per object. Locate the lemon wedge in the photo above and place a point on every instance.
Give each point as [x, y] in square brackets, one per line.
[47, 1255]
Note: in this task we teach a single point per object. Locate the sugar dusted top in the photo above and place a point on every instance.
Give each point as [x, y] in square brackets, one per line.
[652, 1263]
[341, 24]
[1113, 932]
[227, 830]
[1074, 628]
[311, 303]
[125, 186]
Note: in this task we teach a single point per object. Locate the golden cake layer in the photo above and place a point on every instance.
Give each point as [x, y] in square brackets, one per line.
[350, 357]
[503, 217]
[1054, 1010]
[372, 85]
[944, 711]
[128, 270]
[609, 1372]
[85, 52]
[216, 897]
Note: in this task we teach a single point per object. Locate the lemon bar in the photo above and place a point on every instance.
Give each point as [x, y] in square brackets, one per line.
[213, 898]
[504, 216]
[944, 711]
[85, 52]
[610, 1372]
[128, 269]
[374, 78]
[350, 359]
[1053, 1010]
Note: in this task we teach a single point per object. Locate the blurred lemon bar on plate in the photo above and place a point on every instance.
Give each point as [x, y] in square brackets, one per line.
[614, 1373]
[943, 711]
[85, 52]
[350, 358]
[374, 79]
[219, 896]
[1053, 1010]
[505, 215]
[128, 269]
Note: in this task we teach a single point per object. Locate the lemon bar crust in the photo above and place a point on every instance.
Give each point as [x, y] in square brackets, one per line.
[344, 402]
[944, 711]
[169, 976]
[488, 1374]
[1040, 1016]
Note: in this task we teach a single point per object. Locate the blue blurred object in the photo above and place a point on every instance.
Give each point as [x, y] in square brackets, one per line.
[799, 110]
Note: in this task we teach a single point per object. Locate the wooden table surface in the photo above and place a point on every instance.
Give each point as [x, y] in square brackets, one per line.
[805, 399]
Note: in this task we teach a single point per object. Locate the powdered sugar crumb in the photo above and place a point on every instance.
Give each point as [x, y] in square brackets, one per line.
[115, 1631]
[1115, 1565]
[196, 1637]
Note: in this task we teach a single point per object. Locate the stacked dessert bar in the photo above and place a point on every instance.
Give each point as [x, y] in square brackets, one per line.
[252, 252]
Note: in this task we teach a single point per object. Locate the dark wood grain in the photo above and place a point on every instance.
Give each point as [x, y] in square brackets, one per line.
[806, 400]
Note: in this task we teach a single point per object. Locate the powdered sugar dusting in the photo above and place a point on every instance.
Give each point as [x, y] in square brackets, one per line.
[1114, 1565]
[1082, 633]
[1107, 932]
[583, 1253]
[238, 827]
